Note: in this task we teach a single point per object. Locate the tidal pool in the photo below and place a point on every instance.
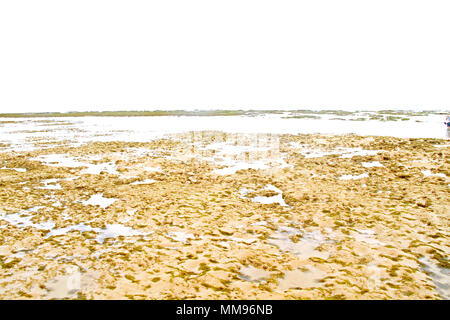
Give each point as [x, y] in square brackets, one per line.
[99, 200]
[439, 276]
[301, 279]
[302, 244]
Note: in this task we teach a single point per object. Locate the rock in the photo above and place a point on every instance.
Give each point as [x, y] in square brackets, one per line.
[227, 231]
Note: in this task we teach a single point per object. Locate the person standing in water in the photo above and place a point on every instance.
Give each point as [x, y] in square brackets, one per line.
[447, 122]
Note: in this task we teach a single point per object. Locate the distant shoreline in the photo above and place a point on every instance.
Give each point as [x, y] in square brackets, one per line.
[157, 113]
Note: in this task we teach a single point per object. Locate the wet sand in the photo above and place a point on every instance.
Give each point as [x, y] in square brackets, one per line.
[213, 215]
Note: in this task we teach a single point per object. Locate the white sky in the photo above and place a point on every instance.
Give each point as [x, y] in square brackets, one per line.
[118, 55]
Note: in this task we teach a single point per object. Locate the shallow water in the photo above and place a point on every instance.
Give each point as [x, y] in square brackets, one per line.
[116, 230]
[243, 240]
[353, 177]
[68, 285]
[99, 200]
[16, 169]
[62, 160]
[304, 248]
[367, 236]
[273, 199]
[373, 164]
[79, 130]
[60, 231]
[439, 276]
[428, 173]
[223, 148]
[308, 152]
[20, 220]
[263, 199]
[248, 233]
[146, 181]
[24, 218]
[301, 279]
[51, 184]
[234, 166]
[151, 169]
[253, 274]
[181, 236]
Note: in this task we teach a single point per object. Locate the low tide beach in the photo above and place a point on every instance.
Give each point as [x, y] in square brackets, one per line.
[287, 205]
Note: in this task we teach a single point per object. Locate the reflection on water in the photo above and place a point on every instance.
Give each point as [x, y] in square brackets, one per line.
[367, 236]
[99, 200]
[303, 245]
[24, 219]
[68, 285]
[253, 274]
[29, 134]
[301, 279]
[217, 146]
[181, 236]
[277, 198]
[232, 152]
[439, 276]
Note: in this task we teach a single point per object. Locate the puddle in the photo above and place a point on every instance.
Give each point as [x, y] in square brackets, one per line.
[98, 253]
[352, 177]
[312, 153]
[246, 152]
[253, 274]
[439, 276]
[60, 231]
[99, 168]
[428, 173]
[114, 231]
[140, 152]
[259, 223]
[99, 200]
[152, 169]
[23, 220]
[234, 166]
[373, 164]
[68, 286]
[306, 245]
[352, 152]
[61, 160]
[247, 241]
[16, 169]
[273, 199]
[301, 279]
[308, 152]
[284, 164]
[181, 236]
[146, 181]
[228, 149]
[57, 204]
[110, 231]
[51, 184]
[224, 244]
[129, 215]
[441, 145]
[67, 258]
[265, 200]
[243, 192]
[20, 253]
[367, 236]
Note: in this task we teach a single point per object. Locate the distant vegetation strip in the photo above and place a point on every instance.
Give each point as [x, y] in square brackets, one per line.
[156, 113]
